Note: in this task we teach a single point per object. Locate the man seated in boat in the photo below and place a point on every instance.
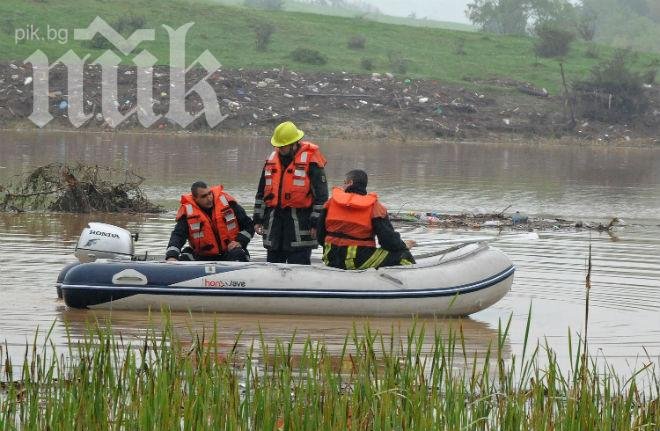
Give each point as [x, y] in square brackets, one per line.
[214, 224]
[349, 224]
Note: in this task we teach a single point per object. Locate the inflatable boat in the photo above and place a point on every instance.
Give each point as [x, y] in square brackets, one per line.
[456, 281]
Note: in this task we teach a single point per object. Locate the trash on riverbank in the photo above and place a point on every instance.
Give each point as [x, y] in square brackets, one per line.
[77, 188]
[382, 105]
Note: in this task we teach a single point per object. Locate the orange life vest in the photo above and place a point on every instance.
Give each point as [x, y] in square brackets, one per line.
[290, 186]
[210, 236]
[348, 219]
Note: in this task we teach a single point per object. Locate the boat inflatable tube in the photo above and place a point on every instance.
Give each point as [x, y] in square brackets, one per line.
[455, 282]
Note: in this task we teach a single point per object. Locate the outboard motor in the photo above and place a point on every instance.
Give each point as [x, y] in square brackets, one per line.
[104, 241]
[99, 241]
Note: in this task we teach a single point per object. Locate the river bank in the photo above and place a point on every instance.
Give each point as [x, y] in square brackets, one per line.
[331, 105]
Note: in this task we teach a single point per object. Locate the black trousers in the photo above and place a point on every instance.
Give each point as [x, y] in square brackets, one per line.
[301, 256]
[359, 257]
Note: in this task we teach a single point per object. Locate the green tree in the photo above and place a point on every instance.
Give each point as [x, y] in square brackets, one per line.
[619, 23]
[552, 40]
[560, 14]
[654, 10]
[501, 16]
[641, 7]
[265, 4]
[586, 22]
[518, 16]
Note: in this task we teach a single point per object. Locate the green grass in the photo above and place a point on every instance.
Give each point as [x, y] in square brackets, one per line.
[228, 33]
[298, 6]
[294, 6]
[164, 381]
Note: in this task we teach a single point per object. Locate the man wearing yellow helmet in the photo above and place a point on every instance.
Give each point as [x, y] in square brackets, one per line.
[290, 196]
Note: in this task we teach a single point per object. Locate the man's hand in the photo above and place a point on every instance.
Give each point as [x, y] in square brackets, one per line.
[232, 245]
[171, 259]
[312, 232]
[410, 243]
[258, 229]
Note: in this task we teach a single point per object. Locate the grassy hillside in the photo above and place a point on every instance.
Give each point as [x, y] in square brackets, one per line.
[352, 12]
[228, 32]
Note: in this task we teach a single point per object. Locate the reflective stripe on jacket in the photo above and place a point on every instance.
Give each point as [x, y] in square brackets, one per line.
[349, 219]
[290, 186]
[210, 236]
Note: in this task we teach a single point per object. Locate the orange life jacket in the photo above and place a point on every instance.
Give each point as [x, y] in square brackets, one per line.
[348, 219]
[210, 236]
[290, 186]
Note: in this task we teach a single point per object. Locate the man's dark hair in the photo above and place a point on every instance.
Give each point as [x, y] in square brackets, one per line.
[359, 177]
[196, 186]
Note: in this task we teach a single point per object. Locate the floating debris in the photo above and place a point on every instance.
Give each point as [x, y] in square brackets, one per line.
[517, 221]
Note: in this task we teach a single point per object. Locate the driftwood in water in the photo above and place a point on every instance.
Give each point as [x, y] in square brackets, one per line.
[77, 188]
[516, 221]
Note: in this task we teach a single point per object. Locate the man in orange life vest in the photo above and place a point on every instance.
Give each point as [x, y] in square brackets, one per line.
[290, 197]
[350, 223]
[213, 223]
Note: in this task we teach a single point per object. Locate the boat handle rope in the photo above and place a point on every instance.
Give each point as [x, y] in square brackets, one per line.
[392, 279]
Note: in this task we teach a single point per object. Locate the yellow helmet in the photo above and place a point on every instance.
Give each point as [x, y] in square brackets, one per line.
[286, 134]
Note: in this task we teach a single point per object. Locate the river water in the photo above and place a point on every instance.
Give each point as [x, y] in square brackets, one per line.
[589, 183]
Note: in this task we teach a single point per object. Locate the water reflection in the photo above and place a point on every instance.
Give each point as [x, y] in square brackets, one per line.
[64, 226]
[244, 331]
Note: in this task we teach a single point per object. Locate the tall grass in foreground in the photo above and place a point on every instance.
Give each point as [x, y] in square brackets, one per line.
[376, 382]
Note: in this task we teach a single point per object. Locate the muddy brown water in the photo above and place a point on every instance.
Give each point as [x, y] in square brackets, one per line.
[577, 182]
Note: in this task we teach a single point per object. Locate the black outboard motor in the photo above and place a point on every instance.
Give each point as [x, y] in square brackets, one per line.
[99, 241]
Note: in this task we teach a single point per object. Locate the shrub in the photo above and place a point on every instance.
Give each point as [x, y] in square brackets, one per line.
[367, 64]
[649, 76]
[613, 92]
[263, 32]
[128, 24]
[265, 4]
[398, 63]
[586, 24]
[357, 42]
[308, 56]
[7, 26]
[591, 51]
[459, 49]
[125, 25]
[98, 42]
[553, 41]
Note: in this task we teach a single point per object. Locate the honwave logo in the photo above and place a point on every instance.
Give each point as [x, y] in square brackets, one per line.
[101, 233]
[223, 283]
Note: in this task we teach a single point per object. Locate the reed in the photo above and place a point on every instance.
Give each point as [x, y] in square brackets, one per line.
[376, 381]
